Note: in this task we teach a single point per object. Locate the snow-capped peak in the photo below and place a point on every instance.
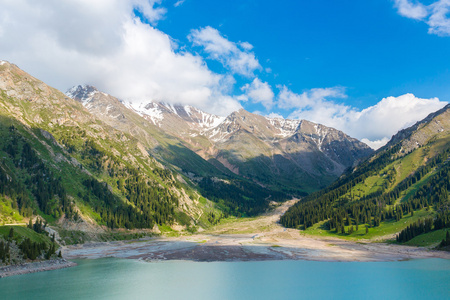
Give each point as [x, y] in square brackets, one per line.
[286, 127]
[82, 93]
[151, 111]
[159, 113]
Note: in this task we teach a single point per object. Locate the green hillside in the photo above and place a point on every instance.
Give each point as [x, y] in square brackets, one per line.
[401, 185]
[19, 244]
[63, 163]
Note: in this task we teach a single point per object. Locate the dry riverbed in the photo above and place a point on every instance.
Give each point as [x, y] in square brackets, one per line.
[260, 238]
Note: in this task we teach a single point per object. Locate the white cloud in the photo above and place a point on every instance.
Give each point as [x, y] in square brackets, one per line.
[376, 144]
[374, 125]
[147, 8]
[71, 42]
[246, 46]
[390, 115]
[258, 92]
[439, 20]
[179, 3]
[236, 57]
[416, 11]
[435, 14]
[274, 116]
[288, 99]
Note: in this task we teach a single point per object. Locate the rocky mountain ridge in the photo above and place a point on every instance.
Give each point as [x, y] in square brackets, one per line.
[411, 138]
[274, 152]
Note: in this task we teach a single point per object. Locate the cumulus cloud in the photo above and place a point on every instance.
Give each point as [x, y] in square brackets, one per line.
[236, 57]
[288, 99]
[274, 116]
[374, 125]
[436, 14]
[392, 114]
[377, 143]
[439, 20]
[102, 43]
[258, 92]
[407, 9]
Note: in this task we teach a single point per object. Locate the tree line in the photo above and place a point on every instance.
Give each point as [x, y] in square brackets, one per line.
[337, 206]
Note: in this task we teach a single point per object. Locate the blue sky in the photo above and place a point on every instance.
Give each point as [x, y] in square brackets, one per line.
[368, 68]
[364, 46]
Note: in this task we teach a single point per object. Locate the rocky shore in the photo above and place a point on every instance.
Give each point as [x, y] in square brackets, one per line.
[34, 267]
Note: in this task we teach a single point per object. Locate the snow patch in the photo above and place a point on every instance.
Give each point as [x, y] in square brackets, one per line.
[150, 111]
[285, 127]
[84, 93]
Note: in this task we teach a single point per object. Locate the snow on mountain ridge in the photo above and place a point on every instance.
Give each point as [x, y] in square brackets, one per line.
[83, 92]
[150, 111]
[157, 111]
[286, 127]
[188, 121]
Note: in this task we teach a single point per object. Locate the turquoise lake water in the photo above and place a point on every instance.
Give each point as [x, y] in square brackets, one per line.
[111, 278]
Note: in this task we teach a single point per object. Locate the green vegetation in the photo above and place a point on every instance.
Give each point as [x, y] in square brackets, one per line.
[389, 193]
[67, 170]
[239, 198]
[424, 226]
[445, 243]
[364, 231]
[18, 244]
[429, 239]
[22, 233]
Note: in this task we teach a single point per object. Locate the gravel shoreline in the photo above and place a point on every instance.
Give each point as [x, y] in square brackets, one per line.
[254, 239]
[33, 267]
[207, 248]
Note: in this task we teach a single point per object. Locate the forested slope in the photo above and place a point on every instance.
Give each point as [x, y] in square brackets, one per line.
[406, 182]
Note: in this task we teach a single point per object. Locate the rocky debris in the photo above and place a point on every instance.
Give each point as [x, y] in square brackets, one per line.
[34, 267]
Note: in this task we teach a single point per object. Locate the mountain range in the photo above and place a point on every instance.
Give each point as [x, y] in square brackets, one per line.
[406, 183]
[294, 156]
[87, 161]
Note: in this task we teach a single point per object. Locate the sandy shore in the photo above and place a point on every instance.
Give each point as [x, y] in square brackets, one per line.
[261, 238]
[34, 267]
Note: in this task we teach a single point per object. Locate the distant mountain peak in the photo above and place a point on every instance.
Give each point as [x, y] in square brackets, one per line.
[82, 93]
[166, 115]
[267, 149]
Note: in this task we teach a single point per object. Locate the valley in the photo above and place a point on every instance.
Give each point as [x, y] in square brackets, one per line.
[178, 149]
[94, 176]
[250, 239]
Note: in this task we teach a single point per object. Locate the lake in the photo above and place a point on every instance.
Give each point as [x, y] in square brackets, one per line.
[111, 278]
